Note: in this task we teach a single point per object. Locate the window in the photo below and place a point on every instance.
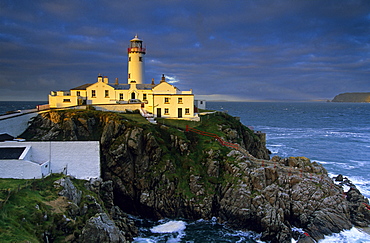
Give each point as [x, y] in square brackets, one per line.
[66, 100]
[129, 75]
[166, 100]
[129, 59]
[93, 93]
[144, 96]
[140, 59]
[78, 93]
[166, 111]
[106, 93]
[187, 111]
[179, 100]
[121, 96]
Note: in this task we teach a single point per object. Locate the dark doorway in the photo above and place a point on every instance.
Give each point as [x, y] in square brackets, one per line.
[133, 96]
[159, 112]
[179, 113]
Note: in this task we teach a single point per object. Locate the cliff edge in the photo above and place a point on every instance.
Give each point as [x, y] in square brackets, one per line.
[353, 97]
[162, 171]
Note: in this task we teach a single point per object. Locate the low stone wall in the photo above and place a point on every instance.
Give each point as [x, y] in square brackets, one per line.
[118, 107]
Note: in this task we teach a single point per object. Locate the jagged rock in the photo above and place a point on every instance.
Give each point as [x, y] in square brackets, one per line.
[101, 229]
[106, 192]
[93, 205]
[69, 190]
[339, 178]
[359, 208]
[124, 223]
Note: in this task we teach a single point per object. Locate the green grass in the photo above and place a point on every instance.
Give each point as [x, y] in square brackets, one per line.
[26, 216]
[181, 124]
[22, 216]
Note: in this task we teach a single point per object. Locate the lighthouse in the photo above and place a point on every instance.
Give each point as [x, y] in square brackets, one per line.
[136, 54]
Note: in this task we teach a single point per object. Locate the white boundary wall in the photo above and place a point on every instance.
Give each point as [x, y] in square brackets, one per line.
[23, 169]
[80, 159]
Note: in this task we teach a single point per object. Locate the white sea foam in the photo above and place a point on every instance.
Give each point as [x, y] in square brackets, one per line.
[143, 240]
[245, 236]
[325, 162]
[362, 184]
[353, 235]
[169, 227]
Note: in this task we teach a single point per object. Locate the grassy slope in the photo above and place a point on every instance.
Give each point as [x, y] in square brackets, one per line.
[33, 208]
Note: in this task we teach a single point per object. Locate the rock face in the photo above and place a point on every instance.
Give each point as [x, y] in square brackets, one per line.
[352, 97]
[101, 228]
[159, 171]
[114, 227]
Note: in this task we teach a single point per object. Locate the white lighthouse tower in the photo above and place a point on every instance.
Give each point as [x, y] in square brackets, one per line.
[136, 54]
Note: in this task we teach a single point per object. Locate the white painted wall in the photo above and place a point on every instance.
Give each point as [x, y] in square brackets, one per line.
[136, 67]
[21, 169]
[80, 159]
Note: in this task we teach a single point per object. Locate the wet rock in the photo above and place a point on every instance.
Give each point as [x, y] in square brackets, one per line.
[101, 228]
[339, 178]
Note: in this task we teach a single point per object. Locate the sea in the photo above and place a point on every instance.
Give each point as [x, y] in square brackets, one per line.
[10, 106]
[336, 135]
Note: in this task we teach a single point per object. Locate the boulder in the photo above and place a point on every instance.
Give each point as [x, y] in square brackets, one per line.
[101, 228]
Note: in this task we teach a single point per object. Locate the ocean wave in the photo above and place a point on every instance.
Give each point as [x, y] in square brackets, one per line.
[353, 235]
[169, 227]
[362, 184]
[244, 236]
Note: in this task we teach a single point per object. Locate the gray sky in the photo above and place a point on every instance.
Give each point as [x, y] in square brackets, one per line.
[230, 50]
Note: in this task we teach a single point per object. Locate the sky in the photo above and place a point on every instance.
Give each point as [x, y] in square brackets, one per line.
[235, 50]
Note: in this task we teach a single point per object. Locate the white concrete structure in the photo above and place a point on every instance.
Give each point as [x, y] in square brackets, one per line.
[80, 159]
[22, 167]
[200, 104]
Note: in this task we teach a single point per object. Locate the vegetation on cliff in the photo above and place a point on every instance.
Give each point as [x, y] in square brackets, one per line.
[53, 209]
[162, 171]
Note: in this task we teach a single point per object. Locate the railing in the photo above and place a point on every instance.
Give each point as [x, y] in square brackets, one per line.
[136, 49]
[209, 134]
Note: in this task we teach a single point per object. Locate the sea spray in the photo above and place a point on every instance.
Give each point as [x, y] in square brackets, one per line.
[169, 227]
[353, 235]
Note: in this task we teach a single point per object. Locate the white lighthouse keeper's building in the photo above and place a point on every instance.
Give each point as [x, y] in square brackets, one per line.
[156, 100]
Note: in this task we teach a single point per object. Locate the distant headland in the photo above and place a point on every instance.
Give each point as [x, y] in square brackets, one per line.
[353, 97]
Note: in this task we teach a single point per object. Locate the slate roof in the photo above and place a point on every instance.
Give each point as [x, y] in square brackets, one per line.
[5, 137]
[82, 87]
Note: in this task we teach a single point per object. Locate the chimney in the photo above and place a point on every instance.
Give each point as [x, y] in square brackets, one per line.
[100, 78]
[116, 83]
[105, 79]
[163, 78]
[152, 81]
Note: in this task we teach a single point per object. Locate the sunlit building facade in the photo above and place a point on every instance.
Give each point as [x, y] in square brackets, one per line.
[159, 100]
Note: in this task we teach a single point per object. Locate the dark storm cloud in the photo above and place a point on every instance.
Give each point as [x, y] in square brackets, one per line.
[242, 50]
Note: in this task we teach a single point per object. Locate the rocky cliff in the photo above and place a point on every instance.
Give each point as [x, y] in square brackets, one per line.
[161, 171]
[353, 97]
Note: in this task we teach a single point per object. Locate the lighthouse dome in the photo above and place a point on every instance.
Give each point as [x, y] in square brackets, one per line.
[136, 38]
